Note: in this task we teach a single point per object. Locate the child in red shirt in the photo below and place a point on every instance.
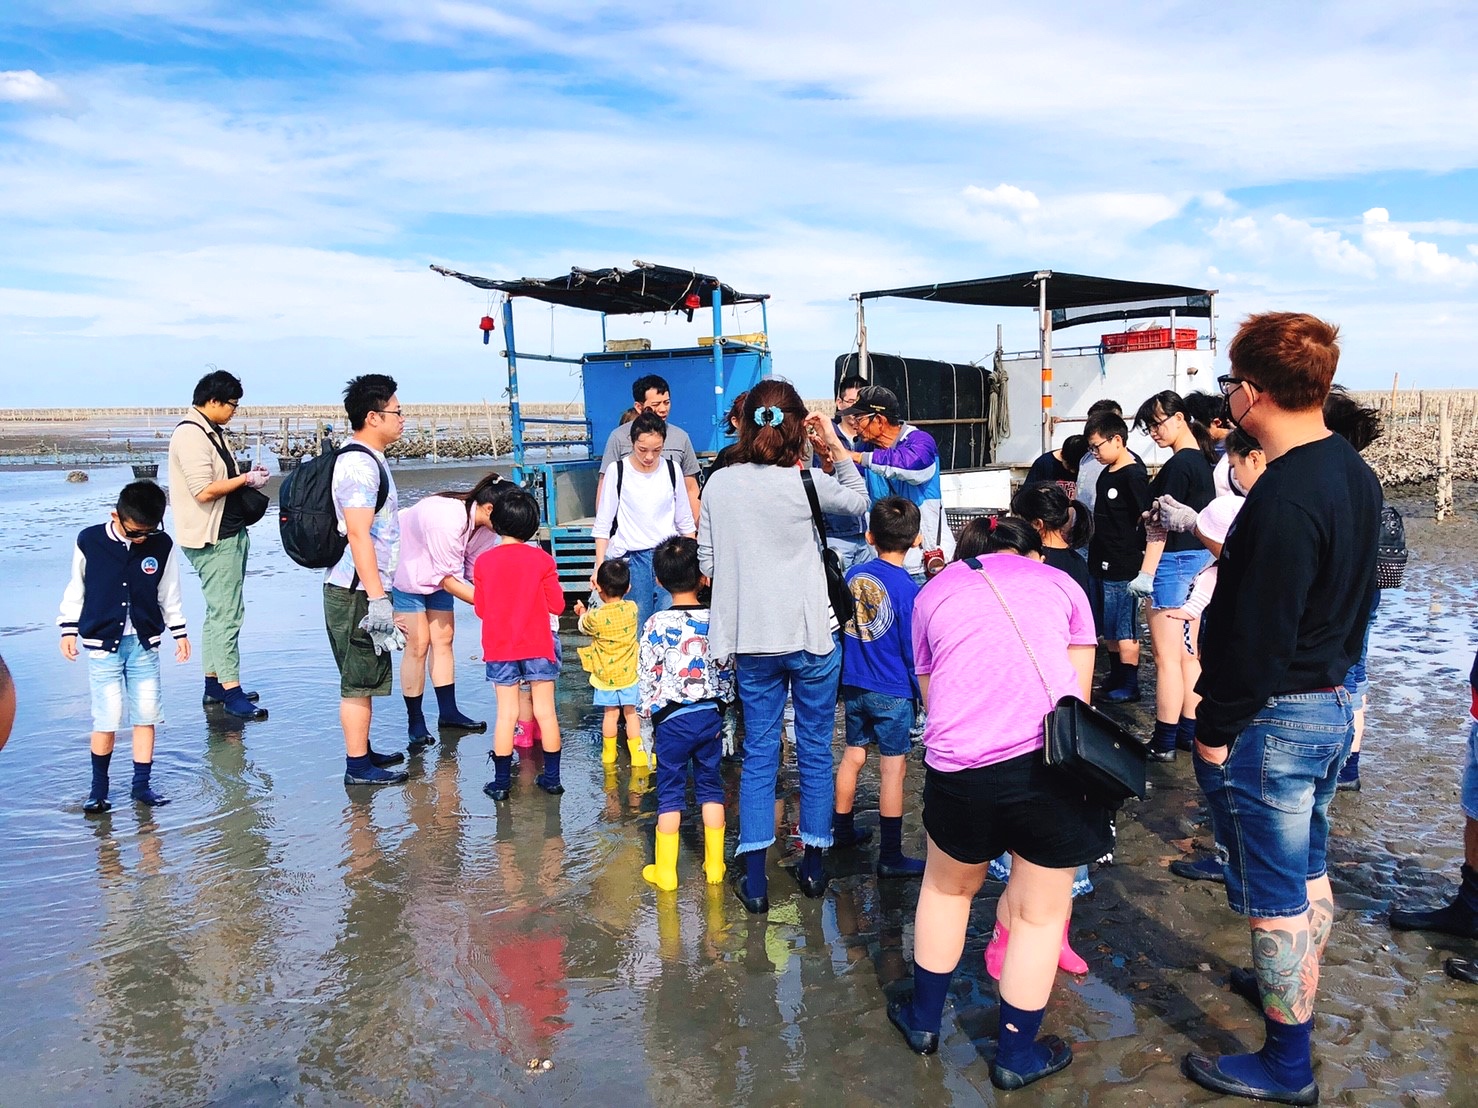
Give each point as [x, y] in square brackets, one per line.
[515, 589]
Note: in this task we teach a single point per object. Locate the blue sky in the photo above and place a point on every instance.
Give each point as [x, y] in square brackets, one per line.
[261, 186]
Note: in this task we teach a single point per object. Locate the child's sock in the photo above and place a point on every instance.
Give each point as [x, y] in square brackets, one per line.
[1165, 735]
[1350, 771]
[1115, 674]
[1185, 734]
[447, 712]
[502, 770]
[358, 766]
[100, 763]
[890, 841]
[929, 992]
[756, 884]
[1285, 1062]
[416, 716]
[842, 830]
[1018, 1050]
[811, 863]
[142, 791]
[551, 767]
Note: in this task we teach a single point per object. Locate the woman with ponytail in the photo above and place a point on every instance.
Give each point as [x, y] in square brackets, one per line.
[1065, 526]
[770, 612]
[1171, 562]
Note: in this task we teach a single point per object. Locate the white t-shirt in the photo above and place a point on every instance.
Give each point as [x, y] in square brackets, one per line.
[357, 485]
[654, 506]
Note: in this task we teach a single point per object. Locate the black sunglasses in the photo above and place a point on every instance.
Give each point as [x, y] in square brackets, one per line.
[130, 533]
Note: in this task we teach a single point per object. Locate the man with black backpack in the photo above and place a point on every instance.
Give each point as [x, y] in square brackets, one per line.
[356, 589]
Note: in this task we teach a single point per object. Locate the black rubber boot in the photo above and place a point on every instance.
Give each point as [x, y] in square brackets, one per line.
[1459, 917]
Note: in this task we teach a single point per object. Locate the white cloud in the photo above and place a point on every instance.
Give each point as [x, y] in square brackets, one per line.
[1003, 196]
[1409, 257]
[1288, 241]
[26, 86]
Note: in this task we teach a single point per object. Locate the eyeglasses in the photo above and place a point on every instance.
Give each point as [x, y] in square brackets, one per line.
[1228, 384]
[1095, 447]
[233, 403]
[130, 533]
[398, 413]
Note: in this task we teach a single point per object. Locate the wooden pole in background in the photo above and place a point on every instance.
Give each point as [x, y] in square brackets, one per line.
[1444, 461]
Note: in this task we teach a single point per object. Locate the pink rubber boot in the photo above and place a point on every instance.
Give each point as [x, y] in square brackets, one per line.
[1068, 959]
[525, 733]
[995, 951]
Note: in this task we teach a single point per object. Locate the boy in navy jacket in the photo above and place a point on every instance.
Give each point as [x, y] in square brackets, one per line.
[123, 596]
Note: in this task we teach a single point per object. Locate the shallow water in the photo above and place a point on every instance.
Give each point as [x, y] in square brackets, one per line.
[271, 936]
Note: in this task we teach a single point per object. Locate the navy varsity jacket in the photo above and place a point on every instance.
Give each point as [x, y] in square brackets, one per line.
[118, 584]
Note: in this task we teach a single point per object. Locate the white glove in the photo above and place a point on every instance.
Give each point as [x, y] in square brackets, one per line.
[381, 618]
[1173, 515]
[1143, 584]
[257, 476]
[383, 641]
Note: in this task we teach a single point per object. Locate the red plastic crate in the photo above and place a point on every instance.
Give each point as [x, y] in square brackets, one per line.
[1151, 338]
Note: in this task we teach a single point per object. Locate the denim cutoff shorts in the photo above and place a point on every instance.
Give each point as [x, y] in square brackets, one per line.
[129, 675]
[875, 716]
[438, 601]
[1269, 800]
[1174, 575]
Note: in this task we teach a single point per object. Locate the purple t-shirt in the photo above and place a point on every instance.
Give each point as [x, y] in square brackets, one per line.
[985, 700]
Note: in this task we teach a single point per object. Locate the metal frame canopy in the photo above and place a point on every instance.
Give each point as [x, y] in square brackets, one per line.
[642, 289]
[1062, 300]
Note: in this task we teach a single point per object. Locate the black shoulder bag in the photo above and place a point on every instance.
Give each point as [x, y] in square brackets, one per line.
[1081, 741]
[251, 504]
[842, 604]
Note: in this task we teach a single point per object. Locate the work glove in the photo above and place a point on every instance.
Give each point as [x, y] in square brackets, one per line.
[256, 477]
[383, 641]
[381, 618]
[1172, 515]
[1143, 584]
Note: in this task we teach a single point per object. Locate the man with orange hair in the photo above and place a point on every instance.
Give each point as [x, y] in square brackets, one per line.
[1297, 578]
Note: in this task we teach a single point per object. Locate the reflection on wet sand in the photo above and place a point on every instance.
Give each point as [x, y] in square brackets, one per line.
[271, 936]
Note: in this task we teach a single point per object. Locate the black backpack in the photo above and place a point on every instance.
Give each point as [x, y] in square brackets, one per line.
[306, 517]
[1390, 554]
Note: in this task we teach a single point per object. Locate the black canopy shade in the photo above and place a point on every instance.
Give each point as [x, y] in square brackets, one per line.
[1065, 291]
[636, 291]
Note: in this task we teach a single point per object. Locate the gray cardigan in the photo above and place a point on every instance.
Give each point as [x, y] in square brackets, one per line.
[757, 543]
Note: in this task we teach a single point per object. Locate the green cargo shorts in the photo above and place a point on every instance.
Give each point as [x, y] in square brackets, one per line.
[362, 672]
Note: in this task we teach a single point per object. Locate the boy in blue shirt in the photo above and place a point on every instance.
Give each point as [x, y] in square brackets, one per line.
[123, 596]
[879, 687]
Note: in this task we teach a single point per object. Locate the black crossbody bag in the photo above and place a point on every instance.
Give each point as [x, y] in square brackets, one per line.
[251, 504]
[842, 604]
[1081, 741]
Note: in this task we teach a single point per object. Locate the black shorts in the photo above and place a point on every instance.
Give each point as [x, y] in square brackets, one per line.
[1020, 805]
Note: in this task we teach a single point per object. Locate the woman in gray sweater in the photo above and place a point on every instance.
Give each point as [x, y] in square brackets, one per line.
[770, 612]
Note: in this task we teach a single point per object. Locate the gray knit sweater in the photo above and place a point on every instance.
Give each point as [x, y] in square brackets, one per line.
[756, 541]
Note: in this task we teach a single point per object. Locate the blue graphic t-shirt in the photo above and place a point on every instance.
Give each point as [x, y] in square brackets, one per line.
[878, 653]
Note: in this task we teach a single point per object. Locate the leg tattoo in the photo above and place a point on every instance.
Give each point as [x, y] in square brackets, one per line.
[1321, 922]
[1288, 971]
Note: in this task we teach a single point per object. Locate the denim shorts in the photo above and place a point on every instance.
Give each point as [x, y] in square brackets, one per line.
[1470, 775]
[438, 601]
[1269, 800]
[878, 716]
[1357, 681]
[1118, 610]
[692, 736]
[525, 669]
[130, 675]
[1174, 575]
[616, 698]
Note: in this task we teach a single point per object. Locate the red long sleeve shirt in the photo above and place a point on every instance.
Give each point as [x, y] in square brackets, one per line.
[515, 589]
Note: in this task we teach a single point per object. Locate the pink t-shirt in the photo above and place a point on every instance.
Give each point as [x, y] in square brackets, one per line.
[433, 544]
[986, 701]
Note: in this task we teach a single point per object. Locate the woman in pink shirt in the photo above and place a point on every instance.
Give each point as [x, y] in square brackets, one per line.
[981, 630]
[439, 537]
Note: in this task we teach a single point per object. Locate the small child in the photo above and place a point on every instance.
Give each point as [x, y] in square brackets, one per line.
[123, 595]
[611, 659]
[515, 590]
[684, 693]
[879, 687]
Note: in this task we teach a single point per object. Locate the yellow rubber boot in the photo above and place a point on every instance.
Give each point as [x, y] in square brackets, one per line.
[608, 749]
[638, 753]
[663, 873]
[713, 855]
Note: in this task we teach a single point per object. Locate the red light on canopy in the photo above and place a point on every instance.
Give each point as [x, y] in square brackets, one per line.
[485, 324]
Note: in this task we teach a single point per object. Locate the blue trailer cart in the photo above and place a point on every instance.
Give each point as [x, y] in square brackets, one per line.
[704, 381]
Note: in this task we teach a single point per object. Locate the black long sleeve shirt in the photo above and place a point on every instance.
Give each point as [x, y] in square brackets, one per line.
[1295, 586]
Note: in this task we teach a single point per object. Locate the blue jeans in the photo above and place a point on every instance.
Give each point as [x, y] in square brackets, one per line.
[812, 681]
[1470, 774]
[645, 593]
[852, 549]
[1270, 800]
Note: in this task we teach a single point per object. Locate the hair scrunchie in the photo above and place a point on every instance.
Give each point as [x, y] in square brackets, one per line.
[770, 416]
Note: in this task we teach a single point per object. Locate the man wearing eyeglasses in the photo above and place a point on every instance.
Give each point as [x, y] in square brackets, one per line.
[357, 609]
[1287, 620]
[205, 493]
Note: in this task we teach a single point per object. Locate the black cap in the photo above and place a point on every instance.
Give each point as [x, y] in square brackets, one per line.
[875, 400]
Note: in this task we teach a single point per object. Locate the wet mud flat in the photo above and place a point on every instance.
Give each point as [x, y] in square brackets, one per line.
[273, 937]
